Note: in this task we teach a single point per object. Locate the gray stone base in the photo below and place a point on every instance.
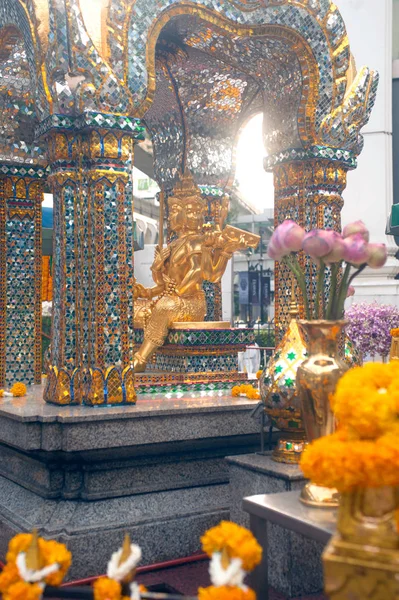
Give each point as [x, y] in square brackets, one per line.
[165, 524]
[295, 566]
[85, 475]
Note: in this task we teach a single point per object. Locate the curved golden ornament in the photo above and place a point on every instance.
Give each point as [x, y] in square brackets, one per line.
[306, 112]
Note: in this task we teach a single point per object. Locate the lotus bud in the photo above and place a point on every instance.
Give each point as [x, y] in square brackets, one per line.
[286, 238]
[356, 250]
[377, 255]
[338, 248]
[318, 243]
[350, 292]
[354, 228]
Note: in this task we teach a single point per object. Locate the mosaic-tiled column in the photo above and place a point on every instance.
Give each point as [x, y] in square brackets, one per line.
[92, 336]
[21, 195]
[213, 291]
[309, 191]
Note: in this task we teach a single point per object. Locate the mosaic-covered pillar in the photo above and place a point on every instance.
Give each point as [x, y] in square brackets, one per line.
[21, 195]
[215, 197]
[309, 191]
[92, 335]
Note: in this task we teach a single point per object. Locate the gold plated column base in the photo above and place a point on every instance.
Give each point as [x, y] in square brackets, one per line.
[353, 571]
[319, 497]
[91, 387]
[289, 448]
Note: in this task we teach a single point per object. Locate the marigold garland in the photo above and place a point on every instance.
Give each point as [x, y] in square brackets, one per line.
[18, 390]
[225, 593]
[365, 451]
[23, 591]
[366, 399]
[245, 390]
[105, 588]
[237, 541]
[12, 586]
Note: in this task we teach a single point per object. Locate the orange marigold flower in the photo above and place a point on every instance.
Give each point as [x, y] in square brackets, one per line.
[235, 392]
[1, 393]
[8, 576]
[348, 464]
[225, 592]
[237, 541]
[54, 552]
[19, 543]
[367, 398]
[107, 589]
[395, 332]
[253, 394]
[23, 591]
[18, 389]
[259, 374]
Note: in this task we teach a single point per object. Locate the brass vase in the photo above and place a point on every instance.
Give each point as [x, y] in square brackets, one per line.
[362, 559]
[316, 380]
[394, 353]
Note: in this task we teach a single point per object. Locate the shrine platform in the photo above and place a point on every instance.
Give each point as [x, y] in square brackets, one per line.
[85, 475]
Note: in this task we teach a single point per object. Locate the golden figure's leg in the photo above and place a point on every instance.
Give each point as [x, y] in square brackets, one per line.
[164, 313]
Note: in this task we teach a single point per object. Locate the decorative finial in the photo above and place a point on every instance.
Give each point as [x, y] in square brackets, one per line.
[126, 550]
[33, 557]
[294, 309]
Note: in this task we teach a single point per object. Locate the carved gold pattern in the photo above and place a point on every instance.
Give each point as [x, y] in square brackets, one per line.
[362, 558]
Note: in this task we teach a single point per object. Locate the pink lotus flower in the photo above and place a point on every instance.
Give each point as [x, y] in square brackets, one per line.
[356, 250]
[286, 238]
[318, 243]
[354, 228]
[377, 255]
[338, 248]
[350, 292]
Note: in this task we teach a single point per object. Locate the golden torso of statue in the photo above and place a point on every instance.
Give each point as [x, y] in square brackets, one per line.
[198, 253]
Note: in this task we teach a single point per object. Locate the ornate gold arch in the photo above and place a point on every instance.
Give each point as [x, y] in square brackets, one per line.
[310, 72]
[40, 8]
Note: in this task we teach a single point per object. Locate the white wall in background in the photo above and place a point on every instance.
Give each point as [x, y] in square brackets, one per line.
[369, 193]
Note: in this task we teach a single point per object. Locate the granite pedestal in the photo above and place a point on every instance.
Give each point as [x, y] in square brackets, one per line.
[85, 475]
[305, 524]
[294, 560]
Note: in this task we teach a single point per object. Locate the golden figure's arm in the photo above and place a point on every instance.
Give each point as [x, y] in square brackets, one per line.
[193, 277]
[213, 270]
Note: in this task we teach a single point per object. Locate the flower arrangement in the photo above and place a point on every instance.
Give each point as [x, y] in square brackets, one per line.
[17, 391]
[327, 249]
[233, 551]
[364, 452]
[119, 584]
[370, 326]
[32, 563]
[246, 390]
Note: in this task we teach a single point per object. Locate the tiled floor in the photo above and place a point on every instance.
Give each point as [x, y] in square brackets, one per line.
[188, 578]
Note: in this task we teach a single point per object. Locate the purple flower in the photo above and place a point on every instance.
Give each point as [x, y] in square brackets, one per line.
[370, 327]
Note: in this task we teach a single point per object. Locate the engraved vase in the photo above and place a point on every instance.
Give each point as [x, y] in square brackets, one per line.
[316, 380]
[362, 558]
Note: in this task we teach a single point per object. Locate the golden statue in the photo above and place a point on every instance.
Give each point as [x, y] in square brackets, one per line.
[197, 253]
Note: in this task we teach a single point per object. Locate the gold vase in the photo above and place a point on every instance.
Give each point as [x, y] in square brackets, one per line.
[394, 353]
[316, 380]
[362, 559]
